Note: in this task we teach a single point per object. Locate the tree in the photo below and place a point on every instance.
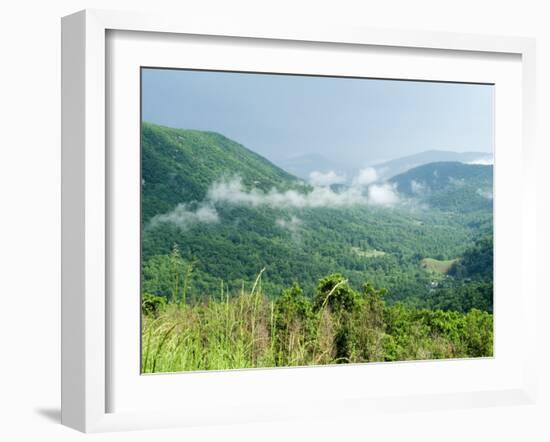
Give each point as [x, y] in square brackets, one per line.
[167, 275]
[335, 293]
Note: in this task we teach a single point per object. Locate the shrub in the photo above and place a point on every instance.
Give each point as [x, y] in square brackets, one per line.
[152, 304]
[335, 293]
[339, 325]
[294, 323]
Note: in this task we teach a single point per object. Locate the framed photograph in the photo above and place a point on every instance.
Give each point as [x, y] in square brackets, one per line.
[262, 222]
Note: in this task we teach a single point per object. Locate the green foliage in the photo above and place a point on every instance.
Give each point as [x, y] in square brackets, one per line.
[449, 186]
[477, 261]
[167, 275]
[374, 301]
[179, 165]
[478, 333]
[381, 245]
[292, 306]
[462, 297]
[334, 292]
[248, 330]
[151, 305]
[435, 334]
[469, 284]
[437, 266]
[294, 324]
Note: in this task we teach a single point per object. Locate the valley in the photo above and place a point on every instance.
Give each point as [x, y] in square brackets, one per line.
[231, 213]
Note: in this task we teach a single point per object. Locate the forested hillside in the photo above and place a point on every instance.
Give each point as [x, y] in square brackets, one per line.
[215, 214]
[178, 166]
[450, 186]
[401, 165]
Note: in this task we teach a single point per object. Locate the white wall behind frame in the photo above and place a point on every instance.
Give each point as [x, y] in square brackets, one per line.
[29, 234]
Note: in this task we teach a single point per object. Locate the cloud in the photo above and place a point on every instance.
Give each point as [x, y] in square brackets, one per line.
[417, 187]
[485, 193]
[458, 182]
[184, 217]
[483, 161]
[383, 195]
[325, 178]
[234, 192]
[291, 225]
[366, 176]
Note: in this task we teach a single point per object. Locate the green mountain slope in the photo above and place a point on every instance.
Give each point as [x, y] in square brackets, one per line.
[400, 165]
[477, 261]
[471, 285]
[449, 185]
[382, 245]
[178, 166]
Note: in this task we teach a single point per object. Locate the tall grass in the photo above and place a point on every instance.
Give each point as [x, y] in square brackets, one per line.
[247, 330]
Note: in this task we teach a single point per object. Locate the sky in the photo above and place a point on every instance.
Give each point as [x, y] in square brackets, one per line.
[357, 122]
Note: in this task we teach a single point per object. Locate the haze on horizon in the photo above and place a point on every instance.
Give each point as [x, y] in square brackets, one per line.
[352, 122]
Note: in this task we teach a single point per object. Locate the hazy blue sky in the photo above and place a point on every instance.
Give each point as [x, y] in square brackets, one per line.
[353, 121]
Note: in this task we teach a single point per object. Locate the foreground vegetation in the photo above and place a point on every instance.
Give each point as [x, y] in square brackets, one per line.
[338, 324]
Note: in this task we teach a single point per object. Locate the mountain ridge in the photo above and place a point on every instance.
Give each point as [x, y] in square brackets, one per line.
[449, 185]
[226, 241]
[178, 166]
[391, 168]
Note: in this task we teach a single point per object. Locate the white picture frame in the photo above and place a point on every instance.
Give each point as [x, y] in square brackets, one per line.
[86, 205]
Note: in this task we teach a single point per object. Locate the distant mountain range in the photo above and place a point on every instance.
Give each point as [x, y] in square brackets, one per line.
[303, 165]
[440, 176]
[178, 166]
[449, 185]
[397, 166]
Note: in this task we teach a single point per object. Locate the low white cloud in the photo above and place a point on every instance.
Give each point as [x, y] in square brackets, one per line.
[325, 178]
[485, 193]
[417, 187]
[483, 161]
[458, 182]
[291, 224]
[383, 195]
[366, 177]
[184, 217]
[234, 192]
